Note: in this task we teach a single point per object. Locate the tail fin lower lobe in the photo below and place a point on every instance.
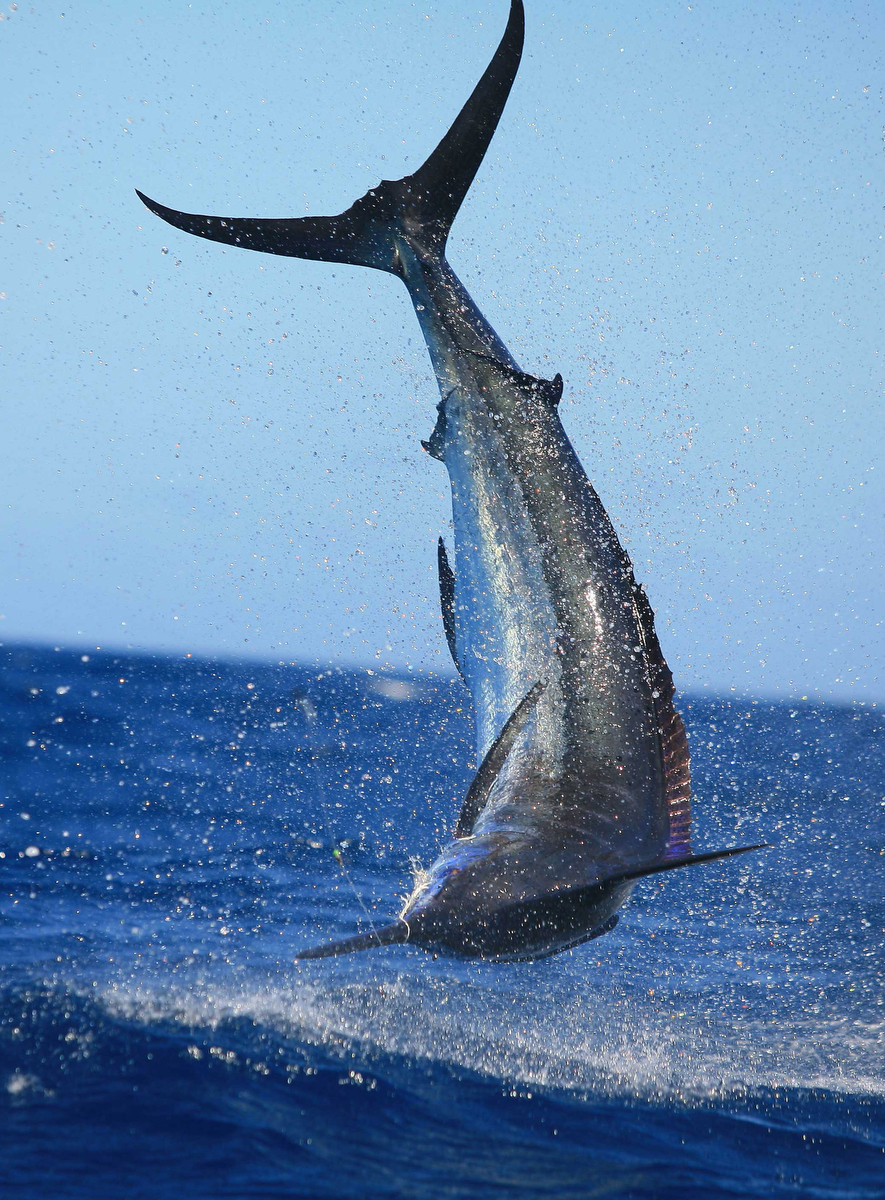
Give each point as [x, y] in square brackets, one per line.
[418, 209]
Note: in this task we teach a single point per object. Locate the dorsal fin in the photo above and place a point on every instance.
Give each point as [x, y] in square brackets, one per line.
[671, 730]
[490, 767]
[553, 390]
[447, 601]
[550, 390]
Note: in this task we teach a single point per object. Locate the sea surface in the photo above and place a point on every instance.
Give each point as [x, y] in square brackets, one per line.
[169, 830]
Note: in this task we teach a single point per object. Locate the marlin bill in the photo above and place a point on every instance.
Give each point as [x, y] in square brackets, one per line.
[584, 784]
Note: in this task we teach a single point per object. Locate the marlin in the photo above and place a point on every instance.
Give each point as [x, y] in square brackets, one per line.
[584, 784]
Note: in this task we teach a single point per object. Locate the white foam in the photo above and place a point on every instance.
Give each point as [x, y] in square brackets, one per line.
[555, 1033]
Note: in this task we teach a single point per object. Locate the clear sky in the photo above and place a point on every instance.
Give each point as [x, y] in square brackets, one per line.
[209, 450]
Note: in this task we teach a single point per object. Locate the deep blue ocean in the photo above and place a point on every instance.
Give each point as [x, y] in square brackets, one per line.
[168, 829]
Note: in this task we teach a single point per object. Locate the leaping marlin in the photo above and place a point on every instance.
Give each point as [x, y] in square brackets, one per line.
[584, 783]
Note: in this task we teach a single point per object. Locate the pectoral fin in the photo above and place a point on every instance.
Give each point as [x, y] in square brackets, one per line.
[689, 860]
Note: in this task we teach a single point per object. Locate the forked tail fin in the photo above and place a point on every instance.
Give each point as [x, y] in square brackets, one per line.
[390, 935]
[418, 209]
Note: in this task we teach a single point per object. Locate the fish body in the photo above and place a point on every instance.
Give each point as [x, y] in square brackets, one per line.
[584, 781]
[543, 591]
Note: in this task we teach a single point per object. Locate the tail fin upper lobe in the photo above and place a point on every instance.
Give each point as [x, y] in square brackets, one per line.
[418, 209]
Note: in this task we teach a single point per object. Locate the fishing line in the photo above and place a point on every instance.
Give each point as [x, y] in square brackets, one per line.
[305, 705]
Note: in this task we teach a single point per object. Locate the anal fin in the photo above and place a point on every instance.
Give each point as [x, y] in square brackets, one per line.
[490, 767]
[436, 443]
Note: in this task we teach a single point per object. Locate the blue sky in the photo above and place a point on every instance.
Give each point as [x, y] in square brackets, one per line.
[214, 451]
